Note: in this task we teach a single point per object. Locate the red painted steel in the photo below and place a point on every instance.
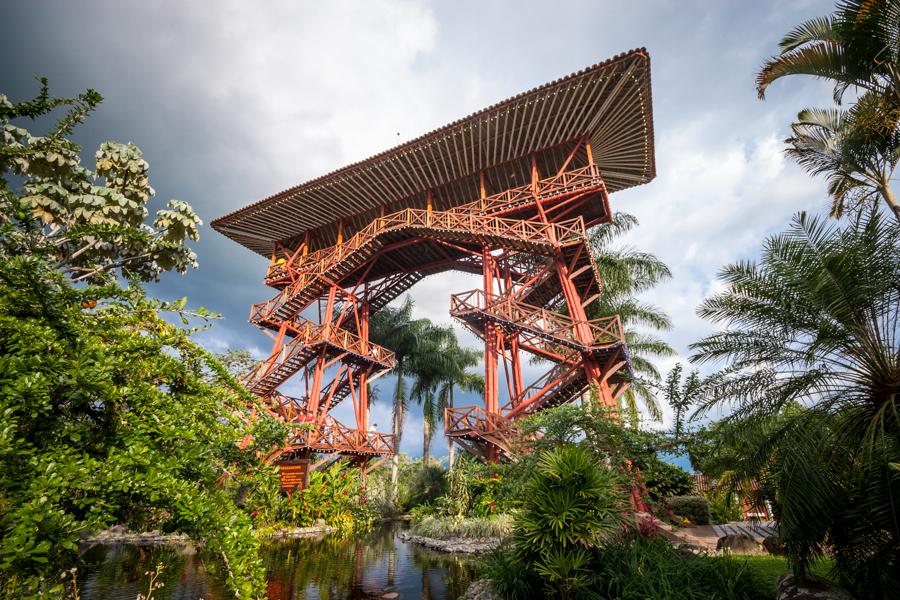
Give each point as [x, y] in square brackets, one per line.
[530, 245]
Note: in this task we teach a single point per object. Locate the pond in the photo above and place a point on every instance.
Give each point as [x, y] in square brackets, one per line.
[377, 565]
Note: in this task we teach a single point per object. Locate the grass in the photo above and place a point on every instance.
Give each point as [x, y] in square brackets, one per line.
[475, 527]
[769, 568]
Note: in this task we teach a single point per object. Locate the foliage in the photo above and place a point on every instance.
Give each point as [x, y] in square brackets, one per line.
[110, 413]
[857, 48]
[664, 480]
[427, 483]
[332, 495]
[724, 507]
[478, 490]
[88, 223]
[108, 418]
[681, 395]
[395, 329]
[632, 567]
[693, 508]
[815, 324]
[417, 486]
[831, 143]
[572, 504]
[652, 568]
[627, 273]
[768, 569]
[454, 527]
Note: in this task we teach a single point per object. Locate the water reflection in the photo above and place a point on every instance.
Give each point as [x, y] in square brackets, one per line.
[376, 565]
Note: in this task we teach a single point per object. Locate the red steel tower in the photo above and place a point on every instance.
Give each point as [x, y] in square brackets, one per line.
[508, 193]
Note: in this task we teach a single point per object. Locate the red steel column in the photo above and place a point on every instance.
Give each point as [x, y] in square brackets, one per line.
[490, 338]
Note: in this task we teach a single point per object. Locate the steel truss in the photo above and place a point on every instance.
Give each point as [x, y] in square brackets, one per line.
[530, 245]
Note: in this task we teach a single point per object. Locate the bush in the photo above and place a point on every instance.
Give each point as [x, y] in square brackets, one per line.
[476, 527]
[421, 484]
[723, 507]
[632, 567]
[571, 504]
[664, 480]
[693, 508]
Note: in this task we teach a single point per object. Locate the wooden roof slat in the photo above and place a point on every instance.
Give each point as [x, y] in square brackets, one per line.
[609, 103]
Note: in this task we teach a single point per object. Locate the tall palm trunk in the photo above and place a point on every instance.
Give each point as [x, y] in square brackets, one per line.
[888, 194]
[397, 426]
[450, 448]
[426, 440]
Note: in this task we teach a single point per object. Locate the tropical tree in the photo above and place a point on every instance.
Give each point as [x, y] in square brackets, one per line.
[626, 273]
[460, 360]
[828, 142]
[681, 395]
[111, 414]
[856, 48]
[816, 323]
[440, 367]
[89, 223]
[394, 328]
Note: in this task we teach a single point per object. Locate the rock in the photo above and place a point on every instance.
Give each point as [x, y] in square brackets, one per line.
[738, 543]
[773, 545]
[814, 588]
[481, 589]
[456, 545]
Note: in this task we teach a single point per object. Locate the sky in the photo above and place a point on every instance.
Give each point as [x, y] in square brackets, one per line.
[232, 101]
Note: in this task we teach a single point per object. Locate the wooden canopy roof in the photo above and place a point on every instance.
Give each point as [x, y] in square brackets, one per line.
[608, 104]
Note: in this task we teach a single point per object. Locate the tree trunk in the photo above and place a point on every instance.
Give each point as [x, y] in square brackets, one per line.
[426, 439]
[397, 426]
[450, 447]
[888, 194]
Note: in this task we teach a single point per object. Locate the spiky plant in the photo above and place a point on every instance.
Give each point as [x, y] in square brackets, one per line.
[817, 323]
[627, 273]
[571, 505]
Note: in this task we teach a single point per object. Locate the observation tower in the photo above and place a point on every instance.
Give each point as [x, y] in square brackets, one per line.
[508, 193]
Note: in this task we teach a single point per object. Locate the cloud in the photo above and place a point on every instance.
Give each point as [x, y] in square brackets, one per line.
[234, 101]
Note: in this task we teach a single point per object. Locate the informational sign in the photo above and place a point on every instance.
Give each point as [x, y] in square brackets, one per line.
[293, 474]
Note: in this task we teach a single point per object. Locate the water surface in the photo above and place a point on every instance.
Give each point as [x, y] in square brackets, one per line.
[371, 566]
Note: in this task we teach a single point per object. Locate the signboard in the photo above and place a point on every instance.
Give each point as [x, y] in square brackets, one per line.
[293, 474]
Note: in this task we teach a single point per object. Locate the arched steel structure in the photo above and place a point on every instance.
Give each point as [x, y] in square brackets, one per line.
[508, 193]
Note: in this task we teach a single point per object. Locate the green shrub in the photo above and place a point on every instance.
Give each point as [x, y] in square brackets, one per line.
[475, 527]
[642, 568]
[664, 480]
[421, 484]
[693, 508]
[572, 503]
[631, 567]
[723, 507]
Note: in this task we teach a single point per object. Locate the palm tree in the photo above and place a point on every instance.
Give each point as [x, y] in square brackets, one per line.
[429, 366]
[816, 323]
[460, 360]
[857, 47]
[439, 365]
[626, 273]
[395, 329]
[828, 142]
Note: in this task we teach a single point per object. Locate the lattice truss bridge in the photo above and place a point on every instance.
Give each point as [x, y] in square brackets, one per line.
[508, 193]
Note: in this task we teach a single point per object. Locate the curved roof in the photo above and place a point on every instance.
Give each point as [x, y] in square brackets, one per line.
[608, 103]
